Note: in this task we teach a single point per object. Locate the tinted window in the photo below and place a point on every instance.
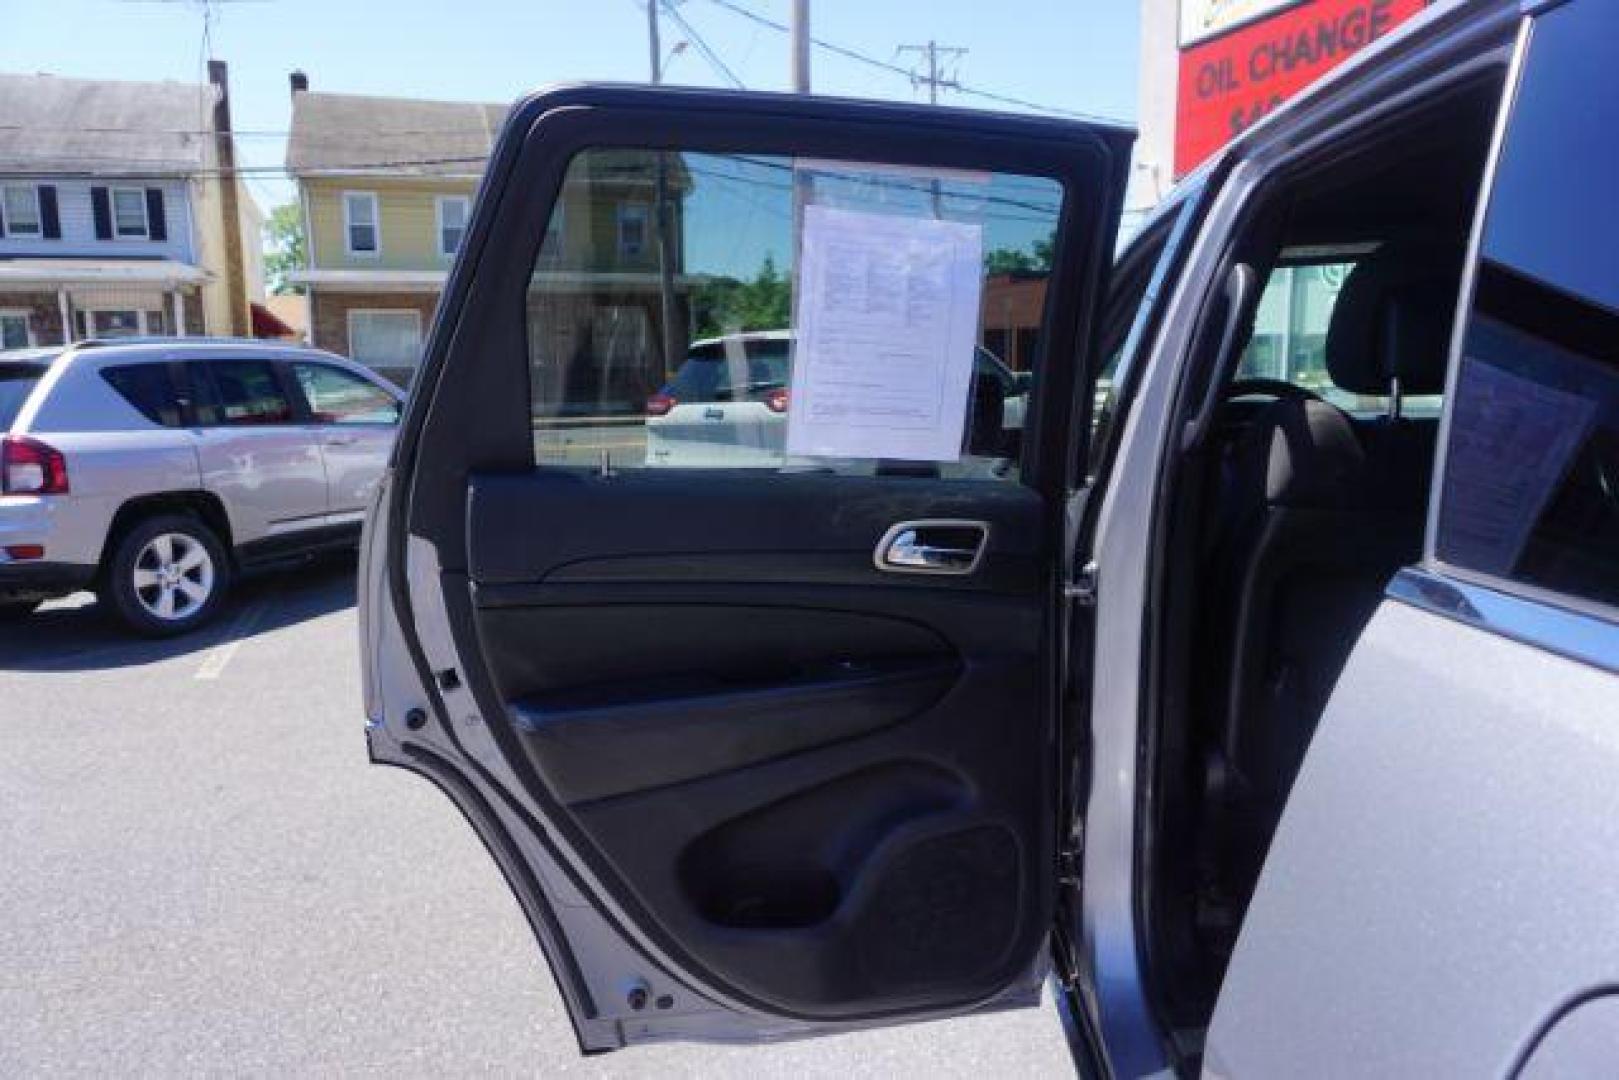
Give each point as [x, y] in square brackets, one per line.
[17, 381]
[337, 397]
[150, 389]
[240, 392]
[1531, 486]
[732, 370]
[635, 310]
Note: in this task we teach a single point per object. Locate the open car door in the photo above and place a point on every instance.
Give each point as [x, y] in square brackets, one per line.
[769, 749]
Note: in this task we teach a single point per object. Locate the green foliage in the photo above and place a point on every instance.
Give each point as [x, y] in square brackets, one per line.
[284, 248]
[1015, 260]
[726, 305]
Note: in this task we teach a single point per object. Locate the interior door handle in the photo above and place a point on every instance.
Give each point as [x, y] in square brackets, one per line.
[933, 547]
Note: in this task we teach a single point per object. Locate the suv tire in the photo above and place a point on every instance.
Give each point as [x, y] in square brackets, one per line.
[167, 575]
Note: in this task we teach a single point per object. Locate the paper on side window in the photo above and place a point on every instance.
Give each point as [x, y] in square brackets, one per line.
[886, 324]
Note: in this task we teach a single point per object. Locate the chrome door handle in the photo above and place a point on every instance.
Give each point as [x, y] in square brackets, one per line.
[933, 547]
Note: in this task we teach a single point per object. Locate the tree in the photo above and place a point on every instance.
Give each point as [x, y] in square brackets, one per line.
[1015, 260]
[725, 305]
[284, 247]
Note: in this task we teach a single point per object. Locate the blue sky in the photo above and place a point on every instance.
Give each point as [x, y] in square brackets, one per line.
[1078, 55]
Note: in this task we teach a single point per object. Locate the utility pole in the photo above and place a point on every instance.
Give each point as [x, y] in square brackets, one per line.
[670, 338]
[801, 47]
[652, 41]
[930, 54]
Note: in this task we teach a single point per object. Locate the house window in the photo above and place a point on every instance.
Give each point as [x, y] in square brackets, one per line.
[387, 340]
[122, 322]
[129, 213]
[631, 229]
[19, 210]
[15, 331]
[360, 222]
[452, 222]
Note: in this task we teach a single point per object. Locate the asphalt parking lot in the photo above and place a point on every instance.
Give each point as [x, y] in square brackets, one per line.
[203, 874]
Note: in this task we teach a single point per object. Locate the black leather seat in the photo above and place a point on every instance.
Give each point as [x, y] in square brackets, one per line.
[1323, 509]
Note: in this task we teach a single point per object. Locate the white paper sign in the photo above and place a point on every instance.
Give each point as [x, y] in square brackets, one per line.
[887, 320]
[1514, 440]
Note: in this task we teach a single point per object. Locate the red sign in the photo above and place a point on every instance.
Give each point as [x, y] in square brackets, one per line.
[1231, 81]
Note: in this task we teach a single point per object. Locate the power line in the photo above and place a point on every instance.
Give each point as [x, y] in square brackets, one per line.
[906, 73]
[709, 54]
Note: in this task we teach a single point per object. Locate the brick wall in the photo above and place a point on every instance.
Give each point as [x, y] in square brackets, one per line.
[329, 313]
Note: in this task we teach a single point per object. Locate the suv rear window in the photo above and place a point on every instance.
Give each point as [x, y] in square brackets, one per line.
[730, 371]
[17, 381]
[150, 389]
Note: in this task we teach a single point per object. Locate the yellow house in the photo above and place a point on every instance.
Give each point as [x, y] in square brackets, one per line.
[386, 188]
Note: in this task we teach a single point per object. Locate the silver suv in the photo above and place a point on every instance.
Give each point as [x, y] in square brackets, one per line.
[156, 471]
[1271, 708]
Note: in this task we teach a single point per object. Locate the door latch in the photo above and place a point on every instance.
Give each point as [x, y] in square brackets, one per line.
[1081, 589]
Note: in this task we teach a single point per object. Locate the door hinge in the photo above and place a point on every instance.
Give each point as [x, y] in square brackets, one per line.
[1082, 588]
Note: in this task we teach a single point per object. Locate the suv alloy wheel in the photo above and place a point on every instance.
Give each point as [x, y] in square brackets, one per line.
[167, 575]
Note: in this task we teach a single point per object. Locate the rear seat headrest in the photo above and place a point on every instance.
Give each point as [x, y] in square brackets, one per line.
[1393, 319]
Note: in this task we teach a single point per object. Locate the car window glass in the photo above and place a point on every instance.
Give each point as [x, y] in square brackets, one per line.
[710, 285]
[1289, 340]
[17, 381]
[1531, 484]
[337, 397]
[240, 393]
[150, 389]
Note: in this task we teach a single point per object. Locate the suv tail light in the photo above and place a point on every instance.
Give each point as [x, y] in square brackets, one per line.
[659, 404]
[776, 400]
[29, 467]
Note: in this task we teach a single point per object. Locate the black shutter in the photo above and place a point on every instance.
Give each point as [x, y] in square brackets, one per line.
[50, 220]
[102, 206]
[157, 228]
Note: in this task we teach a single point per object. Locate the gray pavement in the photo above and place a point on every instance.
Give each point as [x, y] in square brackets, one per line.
[200, 873]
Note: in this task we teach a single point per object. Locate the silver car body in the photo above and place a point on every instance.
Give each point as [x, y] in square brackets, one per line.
[271, 480]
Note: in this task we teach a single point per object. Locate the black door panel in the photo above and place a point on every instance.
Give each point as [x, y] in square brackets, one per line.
[654, 525]
[820, 775]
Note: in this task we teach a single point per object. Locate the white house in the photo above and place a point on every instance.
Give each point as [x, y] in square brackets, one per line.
[120, 213]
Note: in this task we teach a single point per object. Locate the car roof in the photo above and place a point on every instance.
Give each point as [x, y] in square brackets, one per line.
[196, 348]
[744, 336]
[36, 355]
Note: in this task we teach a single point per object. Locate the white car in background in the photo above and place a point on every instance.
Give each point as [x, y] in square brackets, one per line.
[727, 405]
[155, 471]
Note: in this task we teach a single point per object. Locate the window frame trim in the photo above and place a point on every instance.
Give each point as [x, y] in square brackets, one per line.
[416, 316]
[10, 228]
[118, 234]
[439, 203]
[348, 225]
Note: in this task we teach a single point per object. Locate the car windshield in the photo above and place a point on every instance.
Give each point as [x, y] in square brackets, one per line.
[730, 370]
[17, 381]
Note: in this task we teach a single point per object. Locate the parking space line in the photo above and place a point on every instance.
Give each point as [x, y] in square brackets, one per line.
[213, 664]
